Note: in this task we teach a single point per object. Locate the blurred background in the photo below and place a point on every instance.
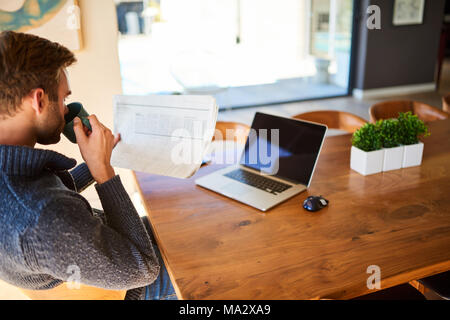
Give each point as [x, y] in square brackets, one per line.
[244, 52]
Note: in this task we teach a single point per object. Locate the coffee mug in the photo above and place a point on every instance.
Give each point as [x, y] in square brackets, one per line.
[75, 110]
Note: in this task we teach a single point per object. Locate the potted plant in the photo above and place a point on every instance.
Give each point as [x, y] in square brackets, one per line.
[391, 139]
[367, 154]
[411, 129]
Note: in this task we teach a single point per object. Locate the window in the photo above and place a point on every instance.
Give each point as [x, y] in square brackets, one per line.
[244, 52]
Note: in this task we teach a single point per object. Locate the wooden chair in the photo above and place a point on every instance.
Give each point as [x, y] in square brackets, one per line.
[446, 103]
[64, 292]
[439, 284]
[390, 109]
[334, 119]
[231, 131]
[399, 292]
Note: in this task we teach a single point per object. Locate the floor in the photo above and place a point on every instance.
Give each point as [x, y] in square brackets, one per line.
[282, 90]
[245, 115]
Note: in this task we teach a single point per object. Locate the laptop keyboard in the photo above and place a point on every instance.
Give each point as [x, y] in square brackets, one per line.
[257, 181]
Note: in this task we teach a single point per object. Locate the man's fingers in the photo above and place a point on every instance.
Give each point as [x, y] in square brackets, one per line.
[99, 129]
[86, 130]
[94, 122]
[78, 129]
[97, 125]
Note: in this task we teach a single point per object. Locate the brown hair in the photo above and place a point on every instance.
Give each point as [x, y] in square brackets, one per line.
[29, 62]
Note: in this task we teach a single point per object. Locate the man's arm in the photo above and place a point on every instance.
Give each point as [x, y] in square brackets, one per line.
[68, 242]
[118, 255]
[82, 177]
[121, 214]
[96, 150]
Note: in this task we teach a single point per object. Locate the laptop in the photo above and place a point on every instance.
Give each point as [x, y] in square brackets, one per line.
[277, 163]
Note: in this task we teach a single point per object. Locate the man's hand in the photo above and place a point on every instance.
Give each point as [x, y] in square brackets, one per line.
[96, 148]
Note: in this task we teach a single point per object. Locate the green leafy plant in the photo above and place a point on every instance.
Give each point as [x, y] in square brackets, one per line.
[390, 133]
[368, 137]
[411, 128]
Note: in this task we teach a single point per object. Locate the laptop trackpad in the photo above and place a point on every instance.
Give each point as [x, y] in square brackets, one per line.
[235, 189]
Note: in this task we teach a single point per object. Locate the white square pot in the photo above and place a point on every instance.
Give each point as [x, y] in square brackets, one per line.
[393, 158]
[366, 163]
[412, 156]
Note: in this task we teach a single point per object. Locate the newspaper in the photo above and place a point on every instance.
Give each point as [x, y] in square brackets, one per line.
[163, 134]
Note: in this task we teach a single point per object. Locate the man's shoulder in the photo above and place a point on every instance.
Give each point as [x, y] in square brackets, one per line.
[24, 199]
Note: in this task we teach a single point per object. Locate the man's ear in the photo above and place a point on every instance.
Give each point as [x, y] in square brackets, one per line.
[39, 100]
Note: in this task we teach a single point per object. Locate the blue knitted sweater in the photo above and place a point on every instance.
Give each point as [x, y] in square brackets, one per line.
[48, 230]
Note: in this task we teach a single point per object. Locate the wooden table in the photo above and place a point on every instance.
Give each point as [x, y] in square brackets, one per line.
[217, 248]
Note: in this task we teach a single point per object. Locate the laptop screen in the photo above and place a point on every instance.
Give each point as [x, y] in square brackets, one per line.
[284, 148]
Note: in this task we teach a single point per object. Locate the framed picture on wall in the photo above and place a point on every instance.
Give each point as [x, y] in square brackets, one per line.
[56, 20]
[408, 12]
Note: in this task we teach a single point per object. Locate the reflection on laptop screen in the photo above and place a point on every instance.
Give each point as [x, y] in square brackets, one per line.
[282, 147]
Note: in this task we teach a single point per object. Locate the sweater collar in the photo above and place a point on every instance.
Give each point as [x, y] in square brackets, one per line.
[26, 161]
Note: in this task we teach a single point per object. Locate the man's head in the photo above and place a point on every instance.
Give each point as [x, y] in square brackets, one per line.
[34, 84]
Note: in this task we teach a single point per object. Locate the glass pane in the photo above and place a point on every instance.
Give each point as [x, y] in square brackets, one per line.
[244, 52]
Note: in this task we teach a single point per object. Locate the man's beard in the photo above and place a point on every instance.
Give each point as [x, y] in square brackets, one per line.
[50, 131]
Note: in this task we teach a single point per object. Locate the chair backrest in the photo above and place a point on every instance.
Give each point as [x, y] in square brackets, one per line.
[390, 109]
[334, 119]
[428, 113]
[231, 131]
[64, 292]
[446, 103]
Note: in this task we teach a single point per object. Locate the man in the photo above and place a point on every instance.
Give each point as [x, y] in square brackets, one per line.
[48, 230]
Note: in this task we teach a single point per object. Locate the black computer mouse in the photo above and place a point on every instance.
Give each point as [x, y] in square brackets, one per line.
[315, 203]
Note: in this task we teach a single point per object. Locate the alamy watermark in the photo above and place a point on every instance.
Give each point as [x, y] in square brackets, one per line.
[74, 279]
[374, 19]
[263, 147]
[73, 21]
[374, 280]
